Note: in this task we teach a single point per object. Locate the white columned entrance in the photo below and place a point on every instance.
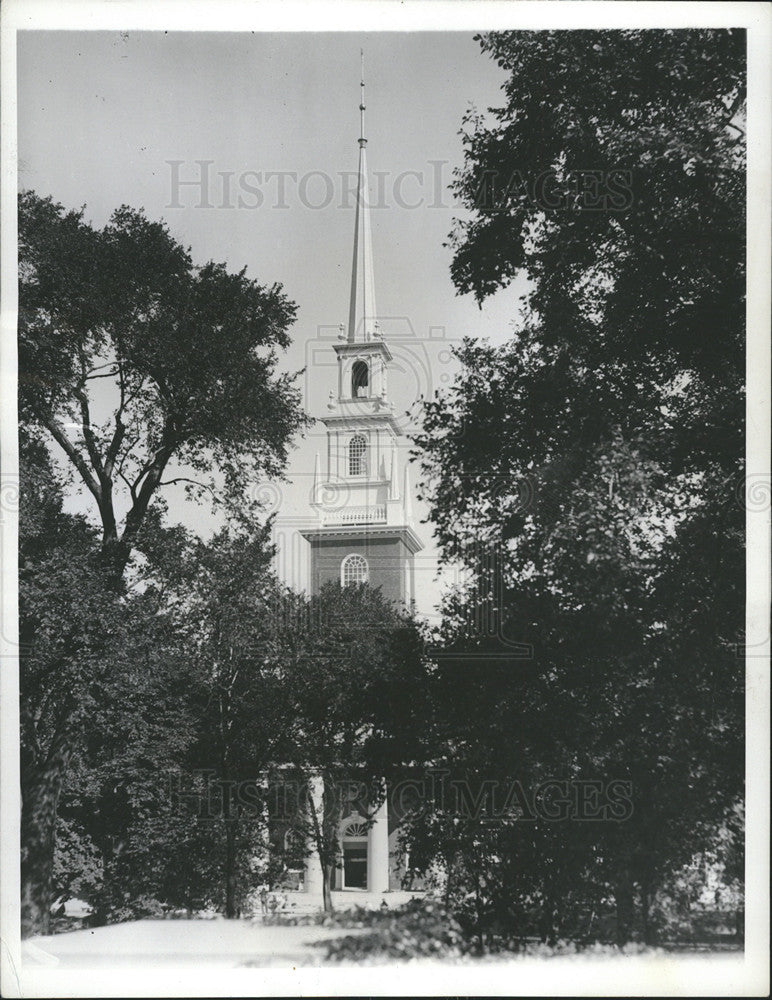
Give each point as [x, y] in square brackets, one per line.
[378, 851]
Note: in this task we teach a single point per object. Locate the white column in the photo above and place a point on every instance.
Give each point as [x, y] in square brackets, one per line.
[317, 479]
[378, 851]
[393, 487]
[312, 880]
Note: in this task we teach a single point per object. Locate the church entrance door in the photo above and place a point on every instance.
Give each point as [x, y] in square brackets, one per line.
[355, 866]
[354, 845]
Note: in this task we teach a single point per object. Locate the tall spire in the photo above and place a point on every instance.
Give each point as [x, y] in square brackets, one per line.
[362, 140]
[362, 312]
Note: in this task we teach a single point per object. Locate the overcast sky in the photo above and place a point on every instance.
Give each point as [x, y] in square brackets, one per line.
[107, 119]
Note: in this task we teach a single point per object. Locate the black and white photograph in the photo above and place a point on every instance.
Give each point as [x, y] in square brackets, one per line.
[385, 498]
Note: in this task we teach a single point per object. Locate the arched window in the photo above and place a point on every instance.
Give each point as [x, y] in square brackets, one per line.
[360, 379]
[357, 455]
[353, 569]
[356, 828]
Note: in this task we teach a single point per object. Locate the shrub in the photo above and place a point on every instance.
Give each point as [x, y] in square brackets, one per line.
[421, 928]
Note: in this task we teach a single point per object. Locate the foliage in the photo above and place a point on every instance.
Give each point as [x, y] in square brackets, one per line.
[420, 928]
[78, 871]
[66, 619]
[70, 626]
[357, 668]
[655, 274]
[356, 671]
[585, 474]
[139, 364]
[116, 699]
[171, 773]
[232, 631]
[118, 790]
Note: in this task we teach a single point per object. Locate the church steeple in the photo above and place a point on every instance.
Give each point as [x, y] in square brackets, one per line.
[362, 318]
[365, 530]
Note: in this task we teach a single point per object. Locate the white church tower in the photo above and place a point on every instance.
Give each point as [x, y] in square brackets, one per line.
[363, 502]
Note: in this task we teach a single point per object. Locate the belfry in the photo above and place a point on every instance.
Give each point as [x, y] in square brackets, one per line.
[362, 500]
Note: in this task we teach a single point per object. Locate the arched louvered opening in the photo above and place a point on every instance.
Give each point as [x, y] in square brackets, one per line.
[360, 379]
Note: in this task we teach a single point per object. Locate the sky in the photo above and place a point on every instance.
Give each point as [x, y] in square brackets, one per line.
[266, 128]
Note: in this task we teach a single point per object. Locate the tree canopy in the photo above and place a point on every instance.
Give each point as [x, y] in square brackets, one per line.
[652, 272]
[585, 473]
[143, 370]
[141, 365]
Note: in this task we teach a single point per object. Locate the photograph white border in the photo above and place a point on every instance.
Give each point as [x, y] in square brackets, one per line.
[746, 974]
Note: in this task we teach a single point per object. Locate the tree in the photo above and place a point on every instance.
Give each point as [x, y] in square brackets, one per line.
[140, 365]
[651, 272]
[162, 805]
[635, 314]
[355, 670]
[609, 690]
[231, 627]
[69, 628]
[106, 714]
[586, 472]
[120, 805]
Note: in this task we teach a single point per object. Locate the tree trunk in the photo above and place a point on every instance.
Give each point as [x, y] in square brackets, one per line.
[100, 913]
[478, 906]
[114, 557]
[41, 789]
[231, 895]
[548, 932]
[328, 830]
[449, 865]
[624, 907]
[327, 888]
[648, 928]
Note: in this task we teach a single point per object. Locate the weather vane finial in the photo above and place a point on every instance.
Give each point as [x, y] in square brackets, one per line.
[362, 139]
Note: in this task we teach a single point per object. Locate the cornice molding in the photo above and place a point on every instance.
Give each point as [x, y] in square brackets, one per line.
[363, 531]
[355, 420]
[363, 347]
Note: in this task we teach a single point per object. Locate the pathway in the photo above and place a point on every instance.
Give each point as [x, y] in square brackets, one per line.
[227, 943]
